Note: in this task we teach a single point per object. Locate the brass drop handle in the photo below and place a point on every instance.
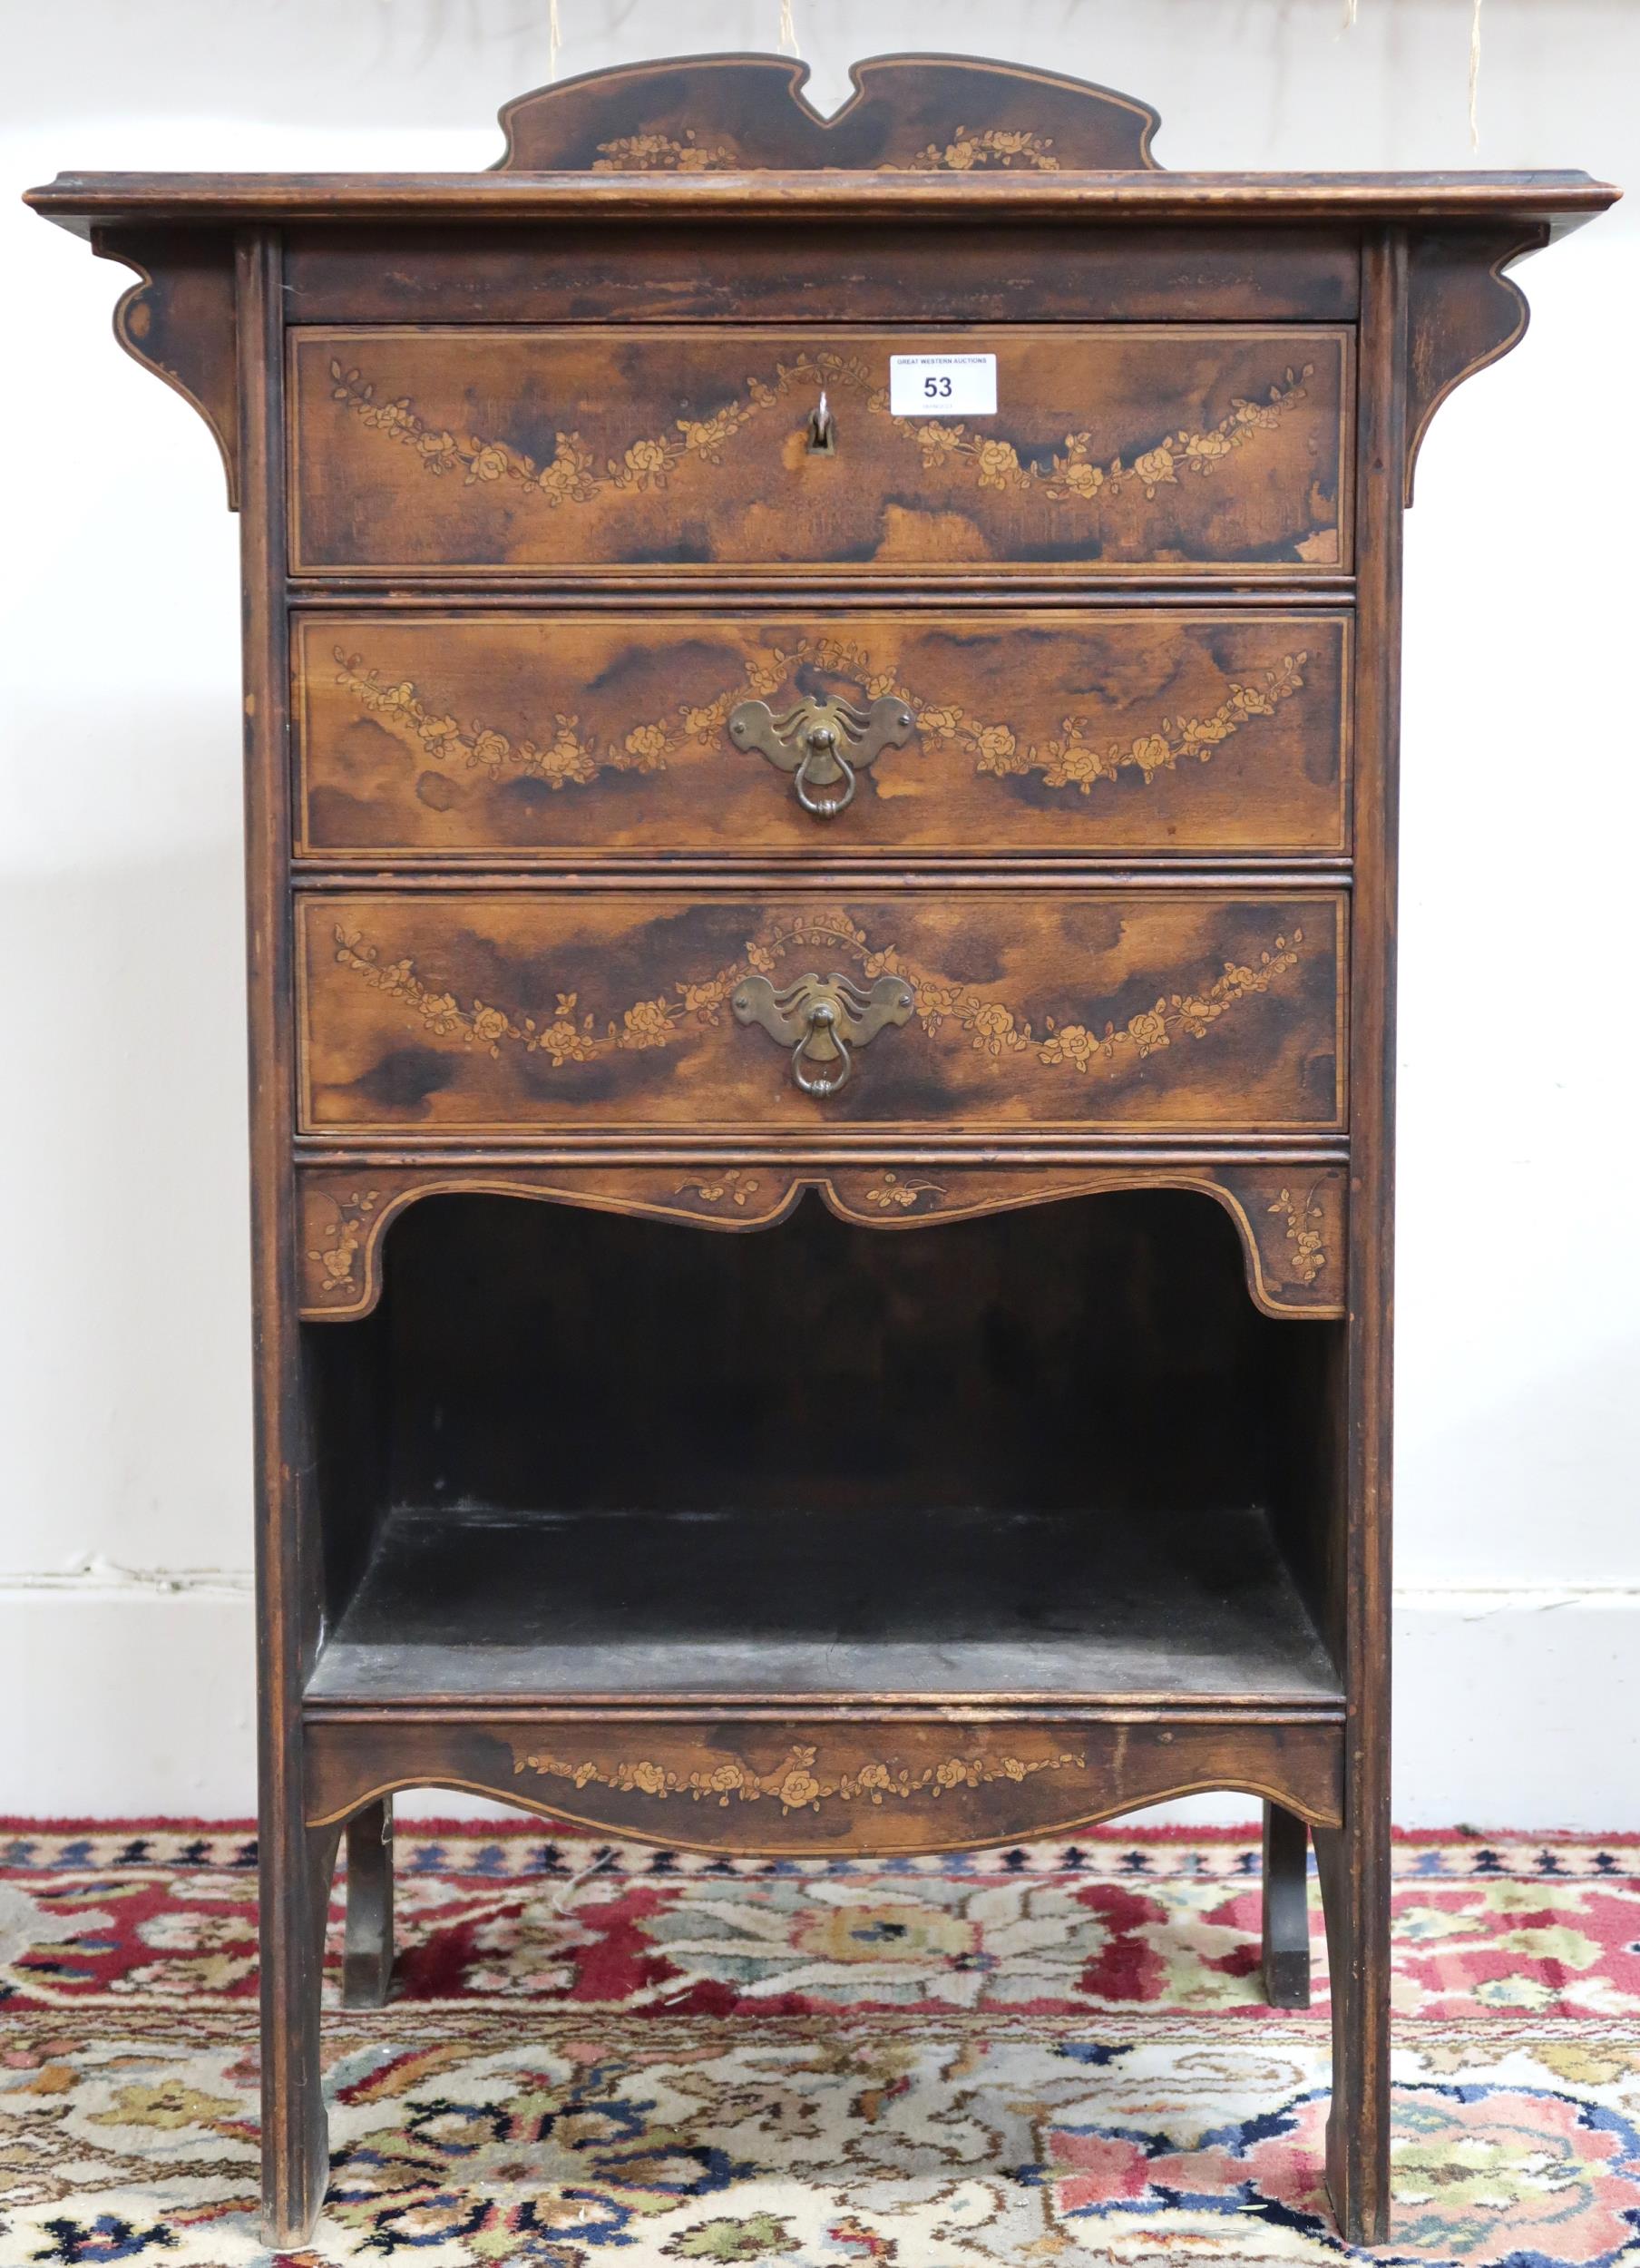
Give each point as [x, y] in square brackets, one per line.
[822, 1039]
[822, 763]
[824, 743]
[823, 1019]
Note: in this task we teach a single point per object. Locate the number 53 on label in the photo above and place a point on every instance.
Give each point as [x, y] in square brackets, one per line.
[943, 385]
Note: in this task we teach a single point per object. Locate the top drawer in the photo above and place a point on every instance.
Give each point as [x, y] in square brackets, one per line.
[1119, 449]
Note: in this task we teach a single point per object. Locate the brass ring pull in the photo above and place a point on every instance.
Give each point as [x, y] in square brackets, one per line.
[825, 753]
[821, 1020]
[824, 1021]
[824, 742]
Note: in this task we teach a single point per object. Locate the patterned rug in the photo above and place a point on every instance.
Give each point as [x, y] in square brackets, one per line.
[599, 2056]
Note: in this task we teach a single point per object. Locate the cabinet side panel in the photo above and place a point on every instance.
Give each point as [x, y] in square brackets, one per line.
[1355, 1867]
[294, 1869]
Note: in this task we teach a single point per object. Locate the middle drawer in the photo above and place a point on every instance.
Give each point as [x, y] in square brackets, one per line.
[512, 735]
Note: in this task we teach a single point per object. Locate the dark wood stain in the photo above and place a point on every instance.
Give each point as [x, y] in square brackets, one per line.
[528, 506]
[1186, 1010]
[825, 271]
[1049, 733]
[1290, 1217]
[179, 321]
[422, 450]
[749, 112]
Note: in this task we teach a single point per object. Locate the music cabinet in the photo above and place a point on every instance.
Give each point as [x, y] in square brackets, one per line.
[833, 681]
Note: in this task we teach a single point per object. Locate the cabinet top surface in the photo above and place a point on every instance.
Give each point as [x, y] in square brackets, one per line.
[922, 137]
[80, 200]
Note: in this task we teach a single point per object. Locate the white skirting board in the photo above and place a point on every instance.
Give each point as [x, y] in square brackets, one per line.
[1514, 1709]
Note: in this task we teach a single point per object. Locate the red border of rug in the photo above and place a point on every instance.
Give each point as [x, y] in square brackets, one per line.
[436, 1823]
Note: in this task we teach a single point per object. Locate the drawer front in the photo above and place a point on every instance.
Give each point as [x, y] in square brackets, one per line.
[1122, 447]
[528, 1012]
[1151, 732]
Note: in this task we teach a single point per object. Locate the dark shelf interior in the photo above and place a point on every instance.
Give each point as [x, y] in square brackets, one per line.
[1054, 1453]
[1052, 1604]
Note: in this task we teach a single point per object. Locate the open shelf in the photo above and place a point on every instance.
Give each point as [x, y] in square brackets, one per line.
[1053, 1456]
[1055, 1606]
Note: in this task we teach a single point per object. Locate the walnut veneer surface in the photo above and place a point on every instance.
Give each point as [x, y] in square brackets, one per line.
[662, 450]
[500, 736]
[684, 794]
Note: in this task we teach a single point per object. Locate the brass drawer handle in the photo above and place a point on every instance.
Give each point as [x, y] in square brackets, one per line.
[823, 1020]
[822, 743]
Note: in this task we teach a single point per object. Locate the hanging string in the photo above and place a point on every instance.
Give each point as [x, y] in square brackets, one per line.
[1351, 9]
[788, 30]
[554, 42]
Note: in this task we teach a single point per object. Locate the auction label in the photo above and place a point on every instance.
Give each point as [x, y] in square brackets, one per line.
[943, 385]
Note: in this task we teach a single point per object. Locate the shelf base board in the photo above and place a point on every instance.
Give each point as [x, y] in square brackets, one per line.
[805, 1785]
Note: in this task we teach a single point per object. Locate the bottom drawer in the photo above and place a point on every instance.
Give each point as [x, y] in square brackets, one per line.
[512, 1012]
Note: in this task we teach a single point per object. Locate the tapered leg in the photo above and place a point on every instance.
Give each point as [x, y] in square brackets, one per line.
[295, 2158]
[1286, 1909]
[367, 1970]
[1355, 1883]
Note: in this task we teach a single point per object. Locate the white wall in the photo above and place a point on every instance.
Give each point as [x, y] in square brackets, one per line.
[124, 1407]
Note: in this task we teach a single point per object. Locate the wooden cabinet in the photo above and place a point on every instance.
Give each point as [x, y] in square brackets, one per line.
[821, 980]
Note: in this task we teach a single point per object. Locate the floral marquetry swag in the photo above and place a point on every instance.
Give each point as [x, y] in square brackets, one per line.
[1078, 474]
[665, 153]
[1001, 147]
[997, 148]
[562, 1038]
[1174, 1016]
[798, 1783]
[1305, 1224]
[1077, 757]
[573, 1035]
[901, 1192]
[337, 1263]
[734, 1186]
[574, 473]
[1078, 760]
[567, 759]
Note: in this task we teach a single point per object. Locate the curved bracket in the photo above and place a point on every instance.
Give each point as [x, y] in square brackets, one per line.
[179, 321]
[1290, 1218]
[1462, 314]
[748, 114]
